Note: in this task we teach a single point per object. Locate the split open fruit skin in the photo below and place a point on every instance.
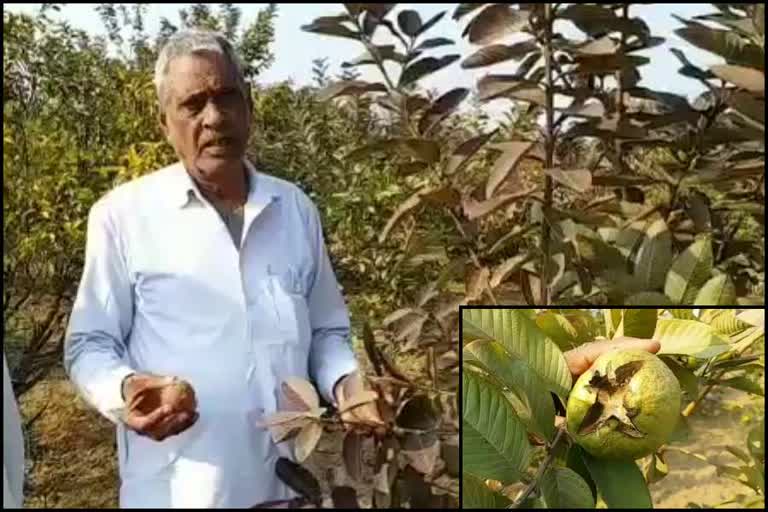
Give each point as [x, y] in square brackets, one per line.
[653, 390]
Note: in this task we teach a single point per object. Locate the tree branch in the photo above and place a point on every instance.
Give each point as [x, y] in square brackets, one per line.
[540, 472]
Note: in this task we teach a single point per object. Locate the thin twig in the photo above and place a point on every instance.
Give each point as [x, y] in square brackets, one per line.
[411, 385]
[472, 253]
[446, 489]
[549, 153]
[540, 472]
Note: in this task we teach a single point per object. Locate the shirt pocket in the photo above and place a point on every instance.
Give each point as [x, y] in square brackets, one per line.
[286, 340]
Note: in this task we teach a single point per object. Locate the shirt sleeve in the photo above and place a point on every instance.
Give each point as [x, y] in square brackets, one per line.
[13, 445]
[331, 356]
[101, 319]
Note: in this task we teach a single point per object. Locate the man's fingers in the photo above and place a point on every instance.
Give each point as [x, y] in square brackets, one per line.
[652, 346]
[581, 358]
[147, 422]
[578, 361]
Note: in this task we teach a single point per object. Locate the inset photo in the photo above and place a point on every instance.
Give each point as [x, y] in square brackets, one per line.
[612, 408]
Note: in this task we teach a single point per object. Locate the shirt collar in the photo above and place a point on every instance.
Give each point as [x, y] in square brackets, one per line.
[260, 191]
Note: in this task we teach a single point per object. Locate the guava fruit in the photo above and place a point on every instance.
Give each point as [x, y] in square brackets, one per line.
[625, 406]
[179, 394]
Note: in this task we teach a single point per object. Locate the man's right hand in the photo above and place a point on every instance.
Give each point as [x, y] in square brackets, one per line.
[146, 413]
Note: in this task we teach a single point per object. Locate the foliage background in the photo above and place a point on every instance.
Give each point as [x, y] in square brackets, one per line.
[77, 122]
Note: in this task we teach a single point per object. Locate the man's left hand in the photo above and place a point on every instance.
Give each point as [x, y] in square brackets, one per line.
[366, 414]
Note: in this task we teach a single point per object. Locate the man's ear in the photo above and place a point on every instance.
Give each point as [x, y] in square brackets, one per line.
[163, 122]
[248, 96]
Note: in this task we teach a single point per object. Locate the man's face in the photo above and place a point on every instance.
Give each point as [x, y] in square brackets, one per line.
[207, 116]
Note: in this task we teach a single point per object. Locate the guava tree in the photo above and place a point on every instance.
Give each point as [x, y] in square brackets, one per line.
[515, 383]
[671, 192]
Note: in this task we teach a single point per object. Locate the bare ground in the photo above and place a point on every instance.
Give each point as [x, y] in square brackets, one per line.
[713, 428]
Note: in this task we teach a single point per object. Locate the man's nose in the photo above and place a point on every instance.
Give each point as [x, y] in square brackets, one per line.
[212, 115]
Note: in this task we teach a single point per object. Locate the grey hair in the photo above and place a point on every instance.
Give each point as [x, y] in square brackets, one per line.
[188, 42]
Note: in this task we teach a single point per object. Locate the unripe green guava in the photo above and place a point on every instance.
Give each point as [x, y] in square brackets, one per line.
[625, 406]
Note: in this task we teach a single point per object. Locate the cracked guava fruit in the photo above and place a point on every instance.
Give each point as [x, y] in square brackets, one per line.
[625, 406]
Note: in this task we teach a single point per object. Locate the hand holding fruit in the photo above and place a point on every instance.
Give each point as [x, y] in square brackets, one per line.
[581, 358]
[626, 402]
[158, 407]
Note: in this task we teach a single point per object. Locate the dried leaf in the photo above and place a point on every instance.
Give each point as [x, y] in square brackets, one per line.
[299, 479]
[281, 417]
[477, 283]
[422, 451]
[386, 465]
[299, 395]
[464, 9]
[352, 455]
[307, 440]
[344, 497]
[475, 209]
[601, 46]
[441, 108]
[724, 43]
[465, 151]
[362, 397]
[286, 430]
[424, 67]
[746, 78]
[446, 196]
[491, 87]
[532, 94]
[354, 389]
[505, 164]
[450, 454]
[591, 19]
[495, 53]
[510, 265]
[494, 22]
[579, 180]
[352, 87]
[330, 27]
[406, 206]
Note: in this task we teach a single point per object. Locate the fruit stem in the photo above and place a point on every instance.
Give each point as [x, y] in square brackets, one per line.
[691, 407]
[540, 472]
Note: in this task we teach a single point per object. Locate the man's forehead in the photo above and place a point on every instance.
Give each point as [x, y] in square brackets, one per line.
[193, 73]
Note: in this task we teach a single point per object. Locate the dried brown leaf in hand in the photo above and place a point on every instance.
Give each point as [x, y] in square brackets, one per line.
[307, 440]
[362, 397]
[287, 429]
[299, 395]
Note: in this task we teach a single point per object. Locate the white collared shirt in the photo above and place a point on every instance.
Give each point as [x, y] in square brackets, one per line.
[165, 291]
[13, 445]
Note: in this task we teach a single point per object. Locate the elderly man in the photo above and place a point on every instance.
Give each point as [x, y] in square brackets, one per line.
[213, 273]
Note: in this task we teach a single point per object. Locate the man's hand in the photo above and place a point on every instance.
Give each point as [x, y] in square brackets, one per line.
[149, 411]
[345, 391]
[581, 358]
